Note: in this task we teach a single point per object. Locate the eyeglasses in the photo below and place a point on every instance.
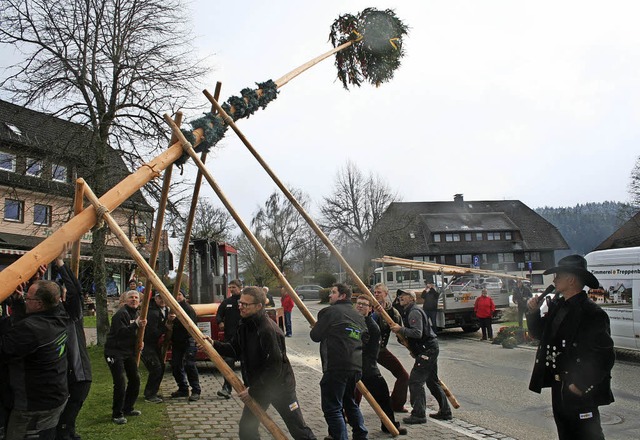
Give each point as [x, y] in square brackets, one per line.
[244, 304]
[362, 304]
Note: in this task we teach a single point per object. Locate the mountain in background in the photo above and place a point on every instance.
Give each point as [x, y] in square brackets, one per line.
[586, 226]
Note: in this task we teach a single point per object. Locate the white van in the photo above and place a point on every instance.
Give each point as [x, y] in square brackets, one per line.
[618, 271]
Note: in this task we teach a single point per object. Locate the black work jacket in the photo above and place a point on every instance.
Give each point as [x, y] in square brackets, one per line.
[260, 346]
[575, 348]
[229, 314]
[35, 350]
[339, 330]
[122, 336]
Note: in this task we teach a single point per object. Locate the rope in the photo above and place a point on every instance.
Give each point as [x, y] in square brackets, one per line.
[101, 210]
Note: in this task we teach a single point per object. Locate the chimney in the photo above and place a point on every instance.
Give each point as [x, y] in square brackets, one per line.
[458, 199]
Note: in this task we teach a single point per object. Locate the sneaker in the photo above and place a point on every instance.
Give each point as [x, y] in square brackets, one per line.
[133, 413]
[179, 393]
[119, 420]
[194, 397]
[414, 420]
[440, 416]
[402, 431]
[153, 399]
[224, 393]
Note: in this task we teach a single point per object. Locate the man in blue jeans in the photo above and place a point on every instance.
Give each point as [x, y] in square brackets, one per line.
[339, 330]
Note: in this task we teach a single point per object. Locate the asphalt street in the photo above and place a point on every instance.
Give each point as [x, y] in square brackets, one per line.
[491, 384]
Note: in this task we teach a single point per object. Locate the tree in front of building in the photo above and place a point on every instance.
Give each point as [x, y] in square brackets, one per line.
[114, 66]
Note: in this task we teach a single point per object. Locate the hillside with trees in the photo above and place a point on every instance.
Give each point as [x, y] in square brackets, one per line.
[585, 226]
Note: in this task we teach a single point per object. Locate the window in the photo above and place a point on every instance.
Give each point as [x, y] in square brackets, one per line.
[7, 162]
[408, 275]
[436, 238]
[507, 235]
[34, 167]
[506, 257]
[42, 215]
[463, 259]
[452, 237]
[493, 236]
[532, 256]
[59, 173]
[13, 210]
[479, 236]
[389, 277]
[467, 236]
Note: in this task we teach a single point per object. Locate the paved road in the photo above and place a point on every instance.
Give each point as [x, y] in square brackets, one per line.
[489, 381]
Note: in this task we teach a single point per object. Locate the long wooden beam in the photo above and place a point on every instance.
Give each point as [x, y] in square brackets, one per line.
[188, 324]
[274, 268]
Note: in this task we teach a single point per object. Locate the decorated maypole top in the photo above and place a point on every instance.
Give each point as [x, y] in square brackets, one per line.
[368, 47]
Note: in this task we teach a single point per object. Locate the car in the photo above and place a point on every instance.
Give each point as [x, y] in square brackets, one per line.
[491, 283]
[309, 291]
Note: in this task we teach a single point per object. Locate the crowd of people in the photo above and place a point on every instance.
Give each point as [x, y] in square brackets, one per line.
[45, 372]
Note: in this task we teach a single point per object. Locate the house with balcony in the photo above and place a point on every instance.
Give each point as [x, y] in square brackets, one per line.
[41, 156]
[500, 235]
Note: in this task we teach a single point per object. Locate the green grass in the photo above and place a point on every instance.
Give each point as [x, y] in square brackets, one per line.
[94, 421]
[89, 321]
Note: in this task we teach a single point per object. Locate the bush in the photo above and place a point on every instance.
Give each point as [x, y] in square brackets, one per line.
[325, 279]
[512, 336]
[324, 295]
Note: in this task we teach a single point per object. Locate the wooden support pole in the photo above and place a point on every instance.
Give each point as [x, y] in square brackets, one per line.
[274, 268]
[188, 324]
[334, 251]
[192, 212]
[77, 209]
[155, 247]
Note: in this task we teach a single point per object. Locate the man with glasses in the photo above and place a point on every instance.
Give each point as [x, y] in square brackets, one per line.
[35, 351]
[228, 319]
[266, 370]
[575, 355]
[371, 377]
[339, 330]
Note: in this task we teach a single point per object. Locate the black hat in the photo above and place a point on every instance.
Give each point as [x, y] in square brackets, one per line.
[576, 265]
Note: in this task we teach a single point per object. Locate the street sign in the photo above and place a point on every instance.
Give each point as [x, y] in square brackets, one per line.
[476, 261]
[530, 266]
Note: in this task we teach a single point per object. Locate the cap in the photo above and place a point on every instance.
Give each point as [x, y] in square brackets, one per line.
[406, 292]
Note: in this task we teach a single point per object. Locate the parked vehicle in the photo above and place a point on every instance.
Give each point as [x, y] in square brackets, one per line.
[309, 291]
[618, 271]
[455, 306]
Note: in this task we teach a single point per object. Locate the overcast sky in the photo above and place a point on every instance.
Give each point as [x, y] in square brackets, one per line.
[536, 101]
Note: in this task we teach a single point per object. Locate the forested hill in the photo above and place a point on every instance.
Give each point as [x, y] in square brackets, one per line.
[586, 226]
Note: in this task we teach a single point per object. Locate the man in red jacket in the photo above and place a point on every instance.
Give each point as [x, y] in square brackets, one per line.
[287, 304]
[484, 308]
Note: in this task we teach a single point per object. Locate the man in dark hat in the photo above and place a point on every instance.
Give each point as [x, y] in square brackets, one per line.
[575, 355]
[423, 344]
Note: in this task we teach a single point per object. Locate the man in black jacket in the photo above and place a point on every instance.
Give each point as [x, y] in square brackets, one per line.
[120, 354]
[266, 371]
[79, 372]
[183, 353]
[228, 319]
[575, 355]
[35, 350]
[423, 344]
[430, 305]
[339, 330]
[152, 352]
[371, 377]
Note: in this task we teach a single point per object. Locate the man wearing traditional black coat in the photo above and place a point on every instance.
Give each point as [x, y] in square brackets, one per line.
[575, 355]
